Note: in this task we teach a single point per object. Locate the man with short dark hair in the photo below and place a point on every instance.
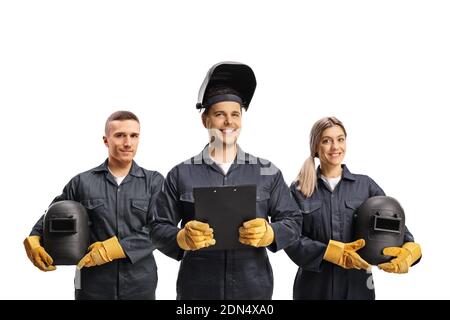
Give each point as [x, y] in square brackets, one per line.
[118, 196]
[242, 273]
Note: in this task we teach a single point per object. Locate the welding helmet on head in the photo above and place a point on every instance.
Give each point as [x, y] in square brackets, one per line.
[227, 81]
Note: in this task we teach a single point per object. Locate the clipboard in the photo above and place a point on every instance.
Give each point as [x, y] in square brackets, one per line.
[225, 208]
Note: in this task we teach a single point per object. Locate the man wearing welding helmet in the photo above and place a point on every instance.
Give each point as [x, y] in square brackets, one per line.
[243, 273]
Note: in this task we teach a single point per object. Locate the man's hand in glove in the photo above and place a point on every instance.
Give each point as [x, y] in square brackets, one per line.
[256, 233]
[195, 235]
[37, 254]
[102, 252]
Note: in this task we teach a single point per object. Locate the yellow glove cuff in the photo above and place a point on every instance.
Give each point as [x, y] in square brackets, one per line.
[32, 242]
[113, 248]
[334, 251]
[181, 240]
[268, 237]
[414, 250]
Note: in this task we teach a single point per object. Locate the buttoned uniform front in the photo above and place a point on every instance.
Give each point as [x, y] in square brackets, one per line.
[122, 211]
[224, 274]
[329, 215]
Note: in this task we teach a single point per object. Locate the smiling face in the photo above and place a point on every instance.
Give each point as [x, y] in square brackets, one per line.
[332, 146]
[223, 121]
[122, 140]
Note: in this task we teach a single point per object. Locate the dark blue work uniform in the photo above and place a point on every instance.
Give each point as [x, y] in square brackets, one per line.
[330, 215]
[122, 211]
[224, 274]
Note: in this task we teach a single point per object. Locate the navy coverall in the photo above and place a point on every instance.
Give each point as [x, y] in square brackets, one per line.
[224, 274]
[122, 211]
[329, 215]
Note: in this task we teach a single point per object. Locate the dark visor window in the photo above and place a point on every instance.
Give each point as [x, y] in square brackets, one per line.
[62, 225]
[387, 224]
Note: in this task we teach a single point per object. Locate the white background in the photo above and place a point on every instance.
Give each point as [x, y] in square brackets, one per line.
[382, 67]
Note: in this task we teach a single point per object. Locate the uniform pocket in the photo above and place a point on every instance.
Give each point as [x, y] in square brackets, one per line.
[139, 210]
[95, 208]
[262, 204]
[262, 196]
[140, 205]
[187, 206]
[312, 218]
[188, 197]
[309, 207]
[351, 206]
[349, 212]
[93, 204]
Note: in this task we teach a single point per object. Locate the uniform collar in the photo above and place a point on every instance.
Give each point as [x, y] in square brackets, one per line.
[204, 157]
[346, 174]
[135, 170]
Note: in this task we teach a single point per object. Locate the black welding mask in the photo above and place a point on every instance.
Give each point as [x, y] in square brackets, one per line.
[380, 221]
[66, 232]
[227, 75]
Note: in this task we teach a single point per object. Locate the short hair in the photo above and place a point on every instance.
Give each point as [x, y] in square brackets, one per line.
[120, 115]
[219, 90]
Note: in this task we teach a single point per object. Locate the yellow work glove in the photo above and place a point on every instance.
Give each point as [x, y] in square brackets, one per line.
[344, 254]
[256, 233]
[37, 254]
[409, 253]
[195, 235]
[101, 252]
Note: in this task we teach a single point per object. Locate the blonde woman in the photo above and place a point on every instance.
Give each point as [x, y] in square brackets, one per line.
[329, 265]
